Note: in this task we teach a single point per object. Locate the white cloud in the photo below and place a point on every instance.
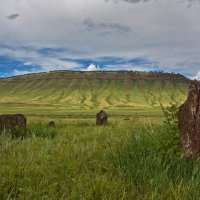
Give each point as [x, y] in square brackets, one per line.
[28, 64]
[197, 77]
[93, 67]
[130, 67]
[18, 72]
[32, 57]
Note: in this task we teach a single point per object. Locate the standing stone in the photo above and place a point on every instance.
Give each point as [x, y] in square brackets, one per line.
[101, 118]
[189, 120]
[51, 124]
[9, 122]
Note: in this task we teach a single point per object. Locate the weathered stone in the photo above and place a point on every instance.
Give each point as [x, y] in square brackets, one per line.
[101, 118]
[9, 122]
[189, 120]
[51, 124]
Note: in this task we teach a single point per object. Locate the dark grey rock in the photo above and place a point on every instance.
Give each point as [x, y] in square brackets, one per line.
[51, 124]
[101, 118]
[189, 120]
[9, 122]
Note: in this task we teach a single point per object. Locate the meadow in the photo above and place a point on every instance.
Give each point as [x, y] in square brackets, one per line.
[77, 160]
[137, 156]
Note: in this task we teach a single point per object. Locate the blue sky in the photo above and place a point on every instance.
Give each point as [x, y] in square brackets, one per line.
[147, 35]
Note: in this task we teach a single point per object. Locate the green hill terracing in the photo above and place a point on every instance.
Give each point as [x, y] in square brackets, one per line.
[61, 93]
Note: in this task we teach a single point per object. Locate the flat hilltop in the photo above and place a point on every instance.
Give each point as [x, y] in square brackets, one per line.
[70, 94]
[102, 75]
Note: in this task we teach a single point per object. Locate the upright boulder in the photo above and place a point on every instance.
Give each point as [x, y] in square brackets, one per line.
[189, 120]
[51, 124]
[9, 122]
[101, 118]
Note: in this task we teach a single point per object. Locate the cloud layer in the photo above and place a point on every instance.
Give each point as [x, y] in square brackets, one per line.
[130, 1]
[104, 28]
[13, 16]
[114, 34]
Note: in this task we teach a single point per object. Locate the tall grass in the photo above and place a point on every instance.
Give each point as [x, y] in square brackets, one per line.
[125, 160]
[157, 171]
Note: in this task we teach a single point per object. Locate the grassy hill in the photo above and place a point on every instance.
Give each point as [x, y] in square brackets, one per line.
[74, 94]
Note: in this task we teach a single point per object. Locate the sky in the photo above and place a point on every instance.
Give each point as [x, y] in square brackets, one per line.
[144, 35]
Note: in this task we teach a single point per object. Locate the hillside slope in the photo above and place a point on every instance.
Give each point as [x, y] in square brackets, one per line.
[63, 91]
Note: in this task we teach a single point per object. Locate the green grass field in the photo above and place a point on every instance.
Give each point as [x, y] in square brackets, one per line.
[77, 160]
[135, 157]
